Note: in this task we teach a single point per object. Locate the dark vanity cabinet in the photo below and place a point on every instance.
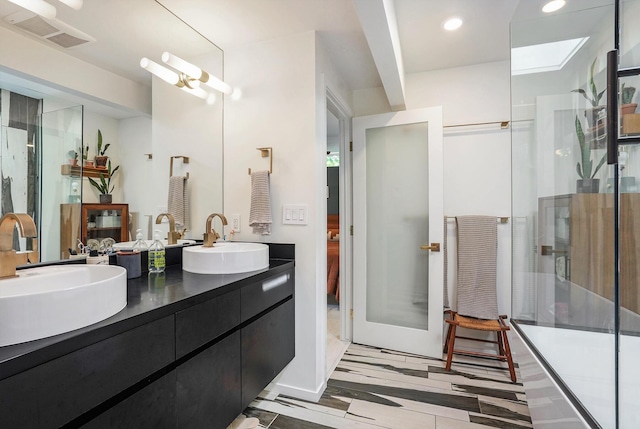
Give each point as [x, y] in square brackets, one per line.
[198, 366]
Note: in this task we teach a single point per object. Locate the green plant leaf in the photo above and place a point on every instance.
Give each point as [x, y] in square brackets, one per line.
[581, 91]
[600, 164]
[585, 149]
[592, 85]
[579, 170]
[99, 142]
[600, 96]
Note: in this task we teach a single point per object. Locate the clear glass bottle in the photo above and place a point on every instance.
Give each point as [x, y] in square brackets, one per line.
[157, 261]
[140, 245]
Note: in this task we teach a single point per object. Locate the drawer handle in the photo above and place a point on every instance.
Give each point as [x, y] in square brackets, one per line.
[274, 283]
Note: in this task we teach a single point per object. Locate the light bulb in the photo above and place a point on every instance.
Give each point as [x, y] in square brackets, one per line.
[452, 24]
[162, 72]
[553, 5]
[182, 65]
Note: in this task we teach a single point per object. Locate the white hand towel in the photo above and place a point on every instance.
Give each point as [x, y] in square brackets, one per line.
[260, 211]
[178, 202]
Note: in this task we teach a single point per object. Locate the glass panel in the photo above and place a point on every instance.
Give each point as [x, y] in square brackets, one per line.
[60, 225]
[628, 369]
[397, 225]
[563, 242]
[19, 156]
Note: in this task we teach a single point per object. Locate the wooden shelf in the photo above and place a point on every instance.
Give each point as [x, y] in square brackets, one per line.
[76, 170]
[104, 228]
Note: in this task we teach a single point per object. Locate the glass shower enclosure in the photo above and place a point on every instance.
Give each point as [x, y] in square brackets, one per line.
[576, 202]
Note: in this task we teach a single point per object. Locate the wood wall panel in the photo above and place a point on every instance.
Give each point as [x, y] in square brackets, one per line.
[592, 245]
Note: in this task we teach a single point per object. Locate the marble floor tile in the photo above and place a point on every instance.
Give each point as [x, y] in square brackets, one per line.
[332, 409]
[457, 379]
[408, 377]
[502, 408]
[434, 396]
[497, 422]
[448, 423]
[388, 417]
[374, 388]
[425, 408]
[265, 417]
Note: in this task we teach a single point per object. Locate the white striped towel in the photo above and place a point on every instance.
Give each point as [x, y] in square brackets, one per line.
[477, 259]
[178, 202]
[260, 211]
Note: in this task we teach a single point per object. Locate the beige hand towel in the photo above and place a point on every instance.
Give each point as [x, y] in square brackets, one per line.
[178, 202]
[260, 210]
[477, 271]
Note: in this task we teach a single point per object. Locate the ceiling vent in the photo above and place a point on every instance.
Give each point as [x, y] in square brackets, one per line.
[52, 30]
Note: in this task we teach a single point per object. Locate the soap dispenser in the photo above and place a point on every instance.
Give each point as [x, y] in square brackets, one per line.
[140, 245]
[157, 261]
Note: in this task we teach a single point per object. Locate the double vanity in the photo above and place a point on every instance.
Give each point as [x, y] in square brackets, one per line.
[183, 349]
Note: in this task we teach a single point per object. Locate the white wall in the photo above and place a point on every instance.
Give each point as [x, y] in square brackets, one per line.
[283, 106]
[92, 122]
[25, 57]
[477, 160]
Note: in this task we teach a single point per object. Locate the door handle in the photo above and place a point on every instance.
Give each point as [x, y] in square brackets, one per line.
[548, 250]
[435, 247]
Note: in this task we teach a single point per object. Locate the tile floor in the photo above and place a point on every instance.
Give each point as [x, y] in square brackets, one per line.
[375, 388]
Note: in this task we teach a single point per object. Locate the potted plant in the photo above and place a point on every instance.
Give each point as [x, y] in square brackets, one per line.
[587, 182]
[594, 115]
[85, 154]
[73, 157]
[101, 158]
[104, 186]
[626, 95]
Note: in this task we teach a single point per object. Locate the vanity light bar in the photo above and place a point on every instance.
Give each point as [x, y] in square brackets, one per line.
[183, 81]
[199, 74]
[39, 7]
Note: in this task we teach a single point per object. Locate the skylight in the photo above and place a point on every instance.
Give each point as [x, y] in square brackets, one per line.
[544, 57]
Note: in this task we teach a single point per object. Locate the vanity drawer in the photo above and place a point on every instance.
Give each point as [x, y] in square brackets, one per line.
[259, 296]
[54, 393]
[204, 322]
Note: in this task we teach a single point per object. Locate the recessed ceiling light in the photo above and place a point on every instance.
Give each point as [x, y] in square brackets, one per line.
[452, 24]
[553, 5]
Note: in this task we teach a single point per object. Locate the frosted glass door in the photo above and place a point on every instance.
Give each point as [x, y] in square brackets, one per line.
[398, 210]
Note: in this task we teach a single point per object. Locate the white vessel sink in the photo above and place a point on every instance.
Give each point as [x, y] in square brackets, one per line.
[225, 258]
[128, 245]
[46, 301]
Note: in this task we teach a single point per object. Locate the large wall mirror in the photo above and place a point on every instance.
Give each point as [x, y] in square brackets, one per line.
[64, 80]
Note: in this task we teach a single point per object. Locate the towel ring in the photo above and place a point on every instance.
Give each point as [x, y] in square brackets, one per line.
[266, 152]
[185, 160]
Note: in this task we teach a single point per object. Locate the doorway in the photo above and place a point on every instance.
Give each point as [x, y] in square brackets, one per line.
[397, 219]
[338, 237]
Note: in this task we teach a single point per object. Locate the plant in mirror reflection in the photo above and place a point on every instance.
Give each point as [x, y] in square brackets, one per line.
[586, 168]
[104, 186]
[100, 150]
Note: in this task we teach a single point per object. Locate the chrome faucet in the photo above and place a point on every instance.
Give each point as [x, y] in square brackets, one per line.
[9, 258]
[210, 234]
[172, 235]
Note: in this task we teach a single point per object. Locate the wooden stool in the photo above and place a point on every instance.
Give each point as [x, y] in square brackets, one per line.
[494, 325]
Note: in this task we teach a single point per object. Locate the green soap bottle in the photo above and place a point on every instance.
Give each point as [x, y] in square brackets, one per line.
[157, 261]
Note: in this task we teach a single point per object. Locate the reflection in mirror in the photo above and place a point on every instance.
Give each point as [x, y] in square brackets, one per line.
[100, 85]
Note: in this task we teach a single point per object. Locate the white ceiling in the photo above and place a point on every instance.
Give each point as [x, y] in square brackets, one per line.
[127, 30]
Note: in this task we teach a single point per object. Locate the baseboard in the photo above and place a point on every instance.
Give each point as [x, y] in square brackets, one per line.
[298, 393]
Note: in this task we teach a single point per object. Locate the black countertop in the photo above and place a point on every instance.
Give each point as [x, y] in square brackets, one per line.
[150, 297]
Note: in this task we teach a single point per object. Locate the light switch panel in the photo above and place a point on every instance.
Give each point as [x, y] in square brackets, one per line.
[294, 214]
